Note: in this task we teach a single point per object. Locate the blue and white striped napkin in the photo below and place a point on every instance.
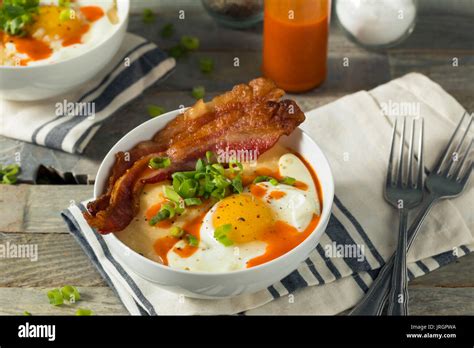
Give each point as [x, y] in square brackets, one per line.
[68, 122]
[354, 134]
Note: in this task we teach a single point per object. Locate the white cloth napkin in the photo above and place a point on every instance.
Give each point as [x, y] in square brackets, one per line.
[45, 122]
[355, 136]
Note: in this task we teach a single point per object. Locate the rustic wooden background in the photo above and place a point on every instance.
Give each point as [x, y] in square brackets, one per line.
[30, 213]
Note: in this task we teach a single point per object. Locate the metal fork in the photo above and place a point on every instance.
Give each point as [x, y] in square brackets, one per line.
[447, 179]
[404, 194]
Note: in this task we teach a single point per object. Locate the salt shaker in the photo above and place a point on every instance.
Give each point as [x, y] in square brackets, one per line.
[377, 24]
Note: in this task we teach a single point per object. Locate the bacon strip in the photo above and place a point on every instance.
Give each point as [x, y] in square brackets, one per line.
[249, 117]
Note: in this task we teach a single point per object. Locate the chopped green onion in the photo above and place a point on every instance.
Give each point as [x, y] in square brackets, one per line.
[188, 188]
[155, 110]
[159, 162]
[237, 184]
[172, 195]
[148, 16]
[179, 209]
[192, 201]
[8, 174]
[192, 240]
[288, 180]
[170, 208]
[206, 65]
[261, 178]
[16, 15]
[273, 181]
[219, 193]
[26, 313]
[176, 51]
[219, 168]
[209, 156]
[9, 179]
[190, 43]
[66, 15]
[220, 234]
[198, 92]
[167, 31]
[200, 166]
[177, 231]
[55, 297]
[70, 293]
[221, 182]
[233, 164]
[83, 312]
[163, 214]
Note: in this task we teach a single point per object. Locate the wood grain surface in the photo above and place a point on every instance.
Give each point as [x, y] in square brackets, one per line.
[30, 213]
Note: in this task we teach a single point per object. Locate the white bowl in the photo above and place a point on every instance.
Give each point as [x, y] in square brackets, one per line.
[226, 284]
[28, 83]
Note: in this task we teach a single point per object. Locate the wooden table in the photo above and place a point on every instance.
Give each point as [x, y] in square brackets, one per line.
[30, 213]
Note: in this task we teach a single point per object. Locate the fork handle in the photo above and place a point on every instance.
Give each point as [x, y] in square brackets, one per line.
[398, 297]
[374, 301]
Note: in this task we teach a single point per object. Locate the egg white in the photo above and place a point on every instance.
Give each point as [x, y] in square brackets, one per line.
[296, 208]
[99, 31]
[212, 256]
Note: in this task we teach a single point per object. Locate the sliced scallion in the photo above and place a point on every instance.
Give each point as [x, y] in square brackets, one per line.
[159, 162]
[206, 65]
[155, 110]
[190, 43]
[221, 232]
[192, 240]
[83, 312]
[55, 297]
[261, 178]
[198, 92]
[172, 195]
[70, 293]
[176, 231]
[273, 181]
[192, 201]
[288, 180]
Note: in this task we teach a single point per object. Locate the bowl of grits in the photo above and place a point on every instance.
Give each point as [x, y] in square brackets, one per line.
[56, 45]
[242, 242]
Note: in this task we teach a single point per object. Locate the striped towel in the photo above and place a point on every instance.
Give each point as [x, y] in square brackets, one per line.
[355, 135]
[55, 124]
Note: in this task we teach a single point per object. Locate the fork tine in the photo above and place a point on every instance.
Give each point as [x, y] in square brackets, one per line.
[389, 180]
[420, 171]
[437, 168]
[410, 155]
[400, 158]
[461, 164]
[456, 151]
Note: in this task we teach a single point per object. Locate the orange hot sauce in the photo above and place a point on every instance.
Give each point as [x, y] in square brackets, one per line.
[295, 40]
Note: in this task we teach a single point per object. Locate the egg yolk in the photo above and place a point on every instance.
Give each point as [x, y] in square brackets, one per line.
[249, 216]
[49, 22]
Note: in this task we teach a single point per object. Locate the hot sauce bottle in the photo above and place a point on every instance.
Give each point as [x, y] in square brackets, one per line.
[295, 41]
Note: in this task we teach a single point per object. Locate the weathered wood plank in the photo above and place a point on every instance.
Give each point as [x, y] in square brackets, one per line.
[36, 208]
[12, 207]
[59, 261]
[46, 202]
[441, 301]
[457, 274]
[101, 300]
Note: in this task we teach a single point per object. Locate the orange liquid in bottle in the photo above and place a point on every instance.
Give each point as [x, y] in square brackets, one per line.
[295, 40]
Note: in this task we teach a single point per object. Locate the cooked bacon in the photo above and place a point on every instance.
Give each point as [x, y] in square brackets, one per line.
[249, 117]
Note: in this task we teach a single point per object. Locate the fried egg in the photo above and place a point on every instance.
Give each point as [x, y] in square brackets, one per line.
[53, 37]
[266, 222]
